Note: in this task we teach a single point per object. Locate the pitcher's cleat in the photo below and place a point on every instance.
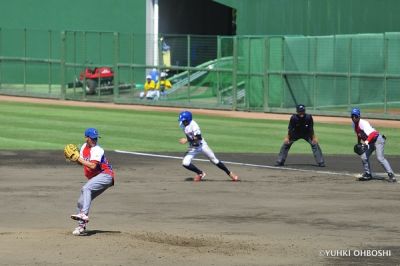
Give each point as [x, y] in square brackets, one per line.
[234, 177]
[199, 177]
[80, 217]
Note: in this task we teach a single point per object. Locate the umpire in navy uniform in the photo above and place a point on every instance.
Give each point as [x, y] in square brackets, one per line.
[301, 126]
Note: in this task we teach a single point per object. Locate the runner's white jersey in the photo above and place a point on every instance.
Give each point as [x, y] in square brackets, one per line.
[192, 130]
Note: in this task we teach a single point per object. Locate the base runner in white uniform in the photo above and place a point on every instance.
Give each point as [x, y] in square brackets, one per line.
[197, 144]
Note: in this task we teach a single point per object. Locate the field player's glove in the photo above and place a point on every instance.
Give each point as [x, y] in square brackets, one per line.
[360, 148]
[71, 152]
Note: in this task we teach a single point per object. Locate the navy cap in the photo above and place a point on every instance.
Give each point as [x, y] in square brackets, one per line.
[92, 133]
[300, 108]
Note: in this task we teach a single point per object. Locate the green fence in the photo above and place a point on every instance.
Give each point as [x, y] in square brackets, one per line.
[329, 74]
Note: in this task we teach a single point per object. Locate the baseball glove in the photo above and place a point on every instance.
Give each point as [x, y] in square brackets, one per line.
[360, 148]
[71, 152]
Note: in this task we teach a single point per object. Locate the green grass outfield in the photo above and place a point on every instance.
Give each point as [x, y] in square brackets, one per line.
[26, 126]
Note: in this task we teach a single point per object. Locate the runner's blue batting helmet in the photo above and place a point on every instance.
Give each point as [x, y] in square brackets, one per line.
[185, 116]
[355, 112]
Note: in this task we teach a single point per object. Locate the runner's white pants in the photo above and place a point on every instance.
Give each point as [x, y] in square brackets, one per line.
[193, 151]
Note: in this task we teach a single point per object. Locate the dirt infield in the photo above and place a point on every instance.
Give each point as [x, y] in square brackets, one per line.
[155, 215]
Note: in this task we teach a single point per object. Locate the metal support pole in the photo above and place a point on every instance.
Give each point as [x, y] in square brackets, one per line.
[315, 89]
[25, 55]
[334, 63]
[132, 69]
[188, 64]
[349, 74]
[116, 69]
[248, 87]
[234, 73]
[385, 53]
[50, 64]
[100, 64]
[266, 73]
[84, 45]
[63, 66]
[218, 86]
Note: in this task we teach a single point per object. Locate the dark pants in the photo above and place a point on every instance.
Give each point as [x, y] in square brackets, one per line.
[314, 147]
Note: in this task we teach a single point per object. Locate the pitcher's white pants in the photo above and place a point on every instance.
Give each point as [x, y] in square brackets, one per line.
[93, 188]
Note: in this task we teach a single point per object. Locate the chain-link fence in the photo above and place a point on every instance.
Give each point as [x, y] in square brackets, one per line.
[329, 74]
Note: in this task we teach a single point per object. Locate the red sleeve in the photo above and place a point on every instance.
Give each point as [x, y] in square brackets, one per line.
[372, 136]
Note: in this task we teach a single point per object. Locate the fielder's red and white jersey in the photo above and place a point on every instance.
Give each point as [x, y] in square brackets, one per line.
[365, 131]
[95, 154]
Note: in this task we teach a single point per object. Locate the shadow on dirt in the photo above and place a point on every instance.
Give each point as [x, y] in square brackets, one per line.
[95, 232]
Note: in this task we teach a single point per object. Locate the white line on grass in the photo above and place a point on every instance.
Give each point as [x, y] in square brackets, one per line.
[236, 163]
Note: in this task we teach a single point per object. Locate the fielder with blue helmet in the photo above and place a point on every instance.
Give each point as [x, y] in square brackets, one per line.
[99, 174]
[374, 141]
